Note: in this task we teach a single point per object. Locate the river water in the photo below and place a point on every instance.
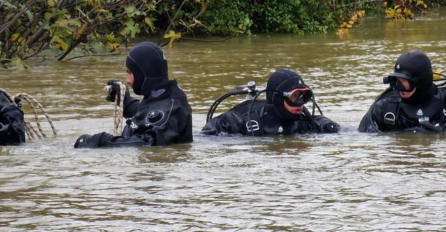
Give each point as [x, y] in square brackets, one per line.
[344, 182]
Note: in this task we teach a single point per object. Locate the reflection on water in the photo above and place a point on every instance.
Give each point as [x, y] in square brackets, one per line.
[349, 181]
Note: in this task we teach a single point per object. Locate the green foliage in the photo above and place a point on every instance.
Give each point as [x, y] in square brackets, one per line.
[436, 2]
[91, 26]
[88, 27]
[228, 17]
[291, 16]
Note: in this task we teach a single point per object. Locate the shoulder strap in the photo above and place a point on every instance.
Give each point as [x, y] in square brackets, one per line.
[254, 121]
[391, 108]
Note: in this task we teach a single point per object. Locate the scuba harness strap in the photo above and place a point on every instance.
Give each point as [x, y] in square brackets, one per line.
[392, 112]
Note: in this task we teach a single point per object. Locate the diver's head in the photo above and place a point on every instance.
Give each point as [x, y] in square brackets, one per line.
[148, 66]
[413, 77]
[288, 93]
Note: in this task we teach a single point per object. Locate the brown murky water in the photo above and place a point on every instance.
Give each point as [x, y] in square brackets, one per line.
[345, 182]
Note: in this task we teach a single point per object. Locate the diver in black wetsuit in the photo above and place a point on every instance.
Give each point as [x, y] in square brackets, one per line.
[412, 102]
[283, 112]
[12, 127]
[162, 117]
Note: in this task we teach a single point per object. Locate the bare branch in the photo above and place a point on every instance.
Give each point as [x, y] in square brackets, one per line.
[107, 54]
[205, 40]
[172, 21]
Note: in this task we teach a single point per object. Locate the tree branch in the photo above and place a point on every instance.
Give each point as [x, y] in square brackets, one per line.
[89, 28]
[107, 54]
[171, 21]
[203, 40]
[17, 16]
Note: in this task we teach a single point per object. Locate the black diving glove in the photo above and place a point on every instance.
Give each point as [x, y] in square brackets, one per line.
[115, 90]
[9, 110]
[325, 125]
[93, 141]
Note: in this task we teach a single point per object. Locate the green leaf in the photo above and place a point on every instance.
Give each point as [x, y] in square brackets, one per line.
[131, 11]
[7, 4]
[30, 15]
[19, 63]
[130, 28]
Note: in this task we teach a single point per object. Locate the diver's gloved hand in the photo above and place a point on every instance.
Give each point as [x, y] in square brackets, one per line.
[93, 141]
[326, 125]
[115, 90]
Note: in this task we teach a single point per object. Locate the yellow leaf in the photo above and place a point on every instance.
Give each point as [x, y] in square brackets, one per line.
[437, 74]
[115, 46]
[150, 24]
[168, 35]
[51, 3]
[385, 3]
[14, 37]
[351, 22]
[342, 31]
[60, 43]
[425, 5]
[177, 36]
[17, 38]
[80, 31]
[349, 26]
[203, 7]
[173, 36]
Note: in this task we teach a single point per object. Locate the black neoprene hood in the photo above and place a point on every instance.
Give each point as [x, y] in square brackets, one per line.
[149, 67]
[280, 81]
[414, 66]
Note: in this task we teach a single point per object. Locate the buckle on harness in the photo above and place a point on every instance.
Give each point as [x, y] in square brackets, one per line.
[389, 118]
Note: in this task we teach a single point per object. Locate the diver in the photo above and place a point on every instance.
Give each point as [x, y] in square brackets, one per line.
[12, 127]
[162, 117]
[412, 102]
[283, 111]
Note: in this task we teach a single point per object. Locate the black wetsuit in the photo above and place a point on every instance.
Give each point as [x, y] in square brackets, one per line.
[12, 128]
[390, 113]
[162, 118]
[264, 119]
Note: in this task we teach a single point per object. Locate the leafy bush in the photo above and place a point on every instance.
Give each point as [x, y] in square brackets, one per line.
[90, 27]
[289, 16]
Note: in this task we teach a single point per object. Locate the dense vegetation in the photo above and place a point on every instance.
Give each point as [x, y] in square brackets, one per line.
[73, 28]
